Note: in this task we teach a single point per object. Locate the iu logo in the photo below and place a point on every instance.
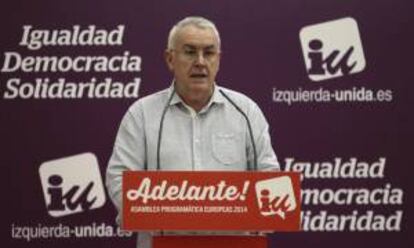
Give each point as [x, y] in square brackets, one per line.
[72, 185]
[275, 196]
[332, 49]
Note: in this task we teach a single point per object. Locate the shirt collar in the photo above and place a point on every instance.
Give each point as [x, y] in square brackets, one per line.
[217, 97]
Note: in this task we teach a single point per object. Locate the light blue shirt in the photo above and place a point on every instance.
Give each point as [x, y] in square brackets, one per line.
[216, 139]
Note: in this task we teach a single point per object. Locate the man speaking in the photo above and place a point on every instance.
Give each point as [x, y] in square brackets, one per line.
[192, 125]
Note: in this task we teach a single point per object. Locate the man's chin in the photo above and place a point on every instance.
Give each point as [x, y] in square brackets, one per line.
[200, 83]
[201, 80]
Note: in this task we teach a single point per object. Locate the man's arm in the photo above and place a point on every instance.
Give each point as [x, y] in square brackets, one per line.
[266, 157]
[129, 153]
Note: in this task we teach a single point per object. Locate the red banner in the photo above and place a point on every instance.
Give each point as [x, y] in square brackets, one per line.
[255, 201]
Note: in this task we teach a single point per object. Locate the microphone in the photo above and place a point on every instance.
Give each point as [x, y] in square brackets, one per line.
[249, 127]
[160, 129]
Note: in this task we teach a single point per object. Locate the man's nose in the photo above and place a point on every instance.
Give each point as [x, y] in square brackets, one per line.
[200, 59]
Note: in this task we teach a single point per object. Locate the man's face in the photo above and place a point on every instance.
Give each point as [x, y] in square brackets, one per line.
[194, 60]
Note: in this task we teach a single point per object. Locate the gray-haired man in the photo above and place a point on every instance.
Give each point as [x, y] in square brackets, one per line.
[194, 124]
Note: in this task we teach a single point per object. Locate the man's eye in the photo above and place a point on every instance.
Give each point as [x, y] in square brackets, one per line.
[209, 53]
[190, 52]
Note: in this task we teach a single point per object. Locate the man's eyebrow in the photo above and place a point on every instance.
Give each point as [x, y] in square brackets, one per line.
[209, 47]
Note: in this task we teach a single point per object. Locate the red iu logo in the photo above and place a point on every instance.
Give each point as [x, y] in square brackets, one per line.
[277, 205]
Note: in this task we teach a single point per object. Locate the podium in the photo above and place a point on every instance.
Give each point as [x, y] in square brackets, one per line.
[209, 241]
[182, 206]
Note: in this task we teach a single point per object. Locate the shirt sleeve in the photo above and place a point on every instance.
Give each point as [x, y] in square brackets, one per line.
[128, 154]
[266, 157]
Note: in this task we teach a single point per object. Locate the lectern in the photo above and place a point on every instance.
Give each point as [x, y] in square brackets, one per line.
[200, 209]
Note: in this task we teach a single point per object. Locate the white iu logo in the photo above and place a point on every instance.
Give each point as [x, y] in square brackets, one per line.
[332, 49]
[275, 196]
[72, 185]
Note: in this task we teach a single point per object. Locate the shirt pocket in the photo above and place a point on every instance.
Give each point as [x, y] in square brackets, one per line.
[227, 148]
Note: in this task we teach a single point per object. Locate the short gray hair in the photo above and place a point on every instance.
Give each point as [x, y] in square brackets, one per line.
[197, 21]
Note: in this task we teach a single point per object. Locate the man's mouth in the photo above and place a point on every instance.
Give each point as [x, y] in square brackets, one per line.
[198, 75]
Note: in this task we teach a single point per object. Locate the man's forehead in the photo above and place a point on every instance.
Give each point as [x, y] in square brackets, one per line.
[195, 37]
[194, 46]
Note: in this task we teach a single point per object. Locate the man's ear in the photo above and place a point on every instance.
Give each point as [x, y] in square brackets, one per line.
[168, 56]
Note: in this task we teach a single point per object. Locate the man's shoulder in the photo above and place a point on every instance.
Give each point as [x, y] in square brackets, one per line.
[152, 101]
